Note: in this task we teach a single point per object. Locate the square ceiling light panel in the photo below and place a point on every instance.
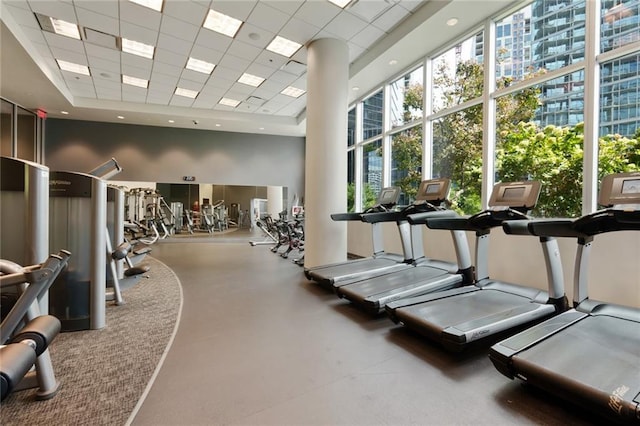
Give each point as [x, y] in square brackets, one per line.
[200, 66]
[283, 46]
[71, 67]
[135, 81]
[151, 4]
[294, 92]
[186, 93]
[251, 80]
[58, 26]
[229, 102]
[221, 23]
[137, 48]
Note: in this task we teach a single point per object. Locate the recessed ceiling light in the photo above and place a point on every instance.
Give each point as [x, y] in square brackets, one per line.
[64, 112]
[120, 117]
[134, 81]
[65, 28]
[221, 23]
[200, 66]
[452, 21]
[260, 128]
[171, 121]
[186, 93]
[355, 88]
[151, 4]
[250, 79]
[71, 67]
[229, 102]
[393, 62]
[137, 48]
[218, 125]
[293, 92]
[283, 46]
[340, 3]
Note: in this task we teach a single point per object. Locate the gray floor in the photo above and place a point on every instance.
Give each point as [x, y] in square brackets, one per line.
[259, 344]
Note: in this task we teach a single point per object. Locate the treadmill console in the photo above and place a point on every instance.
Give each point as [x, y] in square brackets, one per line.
[388, 196]
[515, 195]
[433, 191]
[621, 188]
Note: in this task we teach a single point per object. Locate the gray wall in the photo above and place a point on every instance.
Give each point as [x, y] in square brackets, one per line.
[164, 154]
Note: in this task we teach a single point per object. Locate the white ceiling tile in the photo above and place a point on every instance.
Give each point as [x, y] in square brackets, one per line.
[268, 18]
[345, 25]
[55, 9]
[62, 42]
[22, 4]
[219, 107]
[171, 58]
[242, 89]
[368, 36]
[140, 15]
[191, 85]
[43, 49]
[186, 11]
[96, 21]
[391, 18]
[317, 13]
[77, 81]
[103, 7]
[130, 70]
[219, 83]
[179, 29]
[411, 5]
[273, 85]
[213, 40]
[129, 60]
[163, 79]
[300, 55]
[138, 33]
[225, 74]
[355, 51]
[271, 59]
[106, 83]
[234, 8]
[260, 70]
[212, 92]
[369, 10]
[194, 76]
[172, 70]
[107, 94]
[247, 107]
[134, 97]
[181, 101]
[234, 62]
[301, 83]
[159, 88]
[105, 65]
[291, 110]
[35, 35]
[102, 52]
[204, 102]
[264, 93]
[204, 54]
[23, 17]
[255, 36]
[299, 30]
[69, 56]
[287, 6]
[244, 50]
[283, 77]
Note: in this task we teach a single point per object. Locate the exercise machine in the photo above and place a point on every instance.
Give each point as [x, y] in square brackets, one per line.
[381, 262]
[428, 275]
[461, 316]
[589, 354]
[32, 283]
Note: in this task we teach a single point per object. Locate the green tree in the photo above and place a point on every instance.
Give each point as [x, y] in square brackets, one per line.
[369, 197]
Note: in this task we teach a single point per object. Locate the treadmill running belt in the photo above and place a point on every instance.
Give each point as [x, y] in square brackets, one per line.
[597, 360]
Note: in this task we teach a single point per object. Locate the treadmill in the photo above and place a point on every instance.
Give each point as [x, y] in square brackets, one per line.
[381, 262]
[591, 353]
[461, 316]
[428, 275]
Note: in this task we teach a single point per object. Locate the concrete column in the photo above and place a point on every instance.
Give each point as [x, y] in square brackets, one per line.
[274, 200]
[326, 151]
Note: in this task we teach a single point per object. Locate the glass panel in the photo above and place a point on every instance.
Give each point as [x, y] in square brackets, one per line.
[371, 172]
[406, 98]
[372, 116]
[620, 96]
[619, 143]
[455, 74]
[26, 135]
[406, 162]
[540, 136]
[457, 154]
[620, 23]
[6, 125]
[351, 127]
[546, 35]
[351, 179]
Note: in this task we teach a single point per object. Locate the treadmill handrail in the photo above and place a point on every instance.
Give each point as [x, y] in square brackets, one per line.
[482, 221]
[422, 217]
[402, 215]
[346, 216]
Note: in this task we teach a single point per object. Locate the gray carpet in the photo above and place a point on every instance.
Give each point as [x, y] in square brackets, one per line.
[105, 372]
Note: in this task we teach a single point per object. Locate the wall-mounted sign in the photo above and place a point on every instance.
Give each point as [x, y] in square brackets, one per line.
[189, 178]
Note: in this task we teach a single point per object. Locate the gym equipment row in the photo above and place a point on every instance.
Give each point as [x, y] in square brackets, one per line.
[284, 236]
[460, 306]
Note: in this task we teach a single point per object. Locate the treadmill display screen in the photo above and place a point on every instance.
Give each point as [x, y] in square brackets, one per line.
[387, 197]
[513, 193]
[432, 188]
[631, 186]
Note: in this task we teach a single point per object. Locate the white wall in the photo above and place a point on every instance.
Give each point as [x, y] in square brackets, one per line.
[614, 271]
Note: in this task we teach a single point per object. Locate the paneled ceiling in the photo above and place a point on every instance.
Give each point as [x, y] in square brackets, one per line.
[371, 28]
